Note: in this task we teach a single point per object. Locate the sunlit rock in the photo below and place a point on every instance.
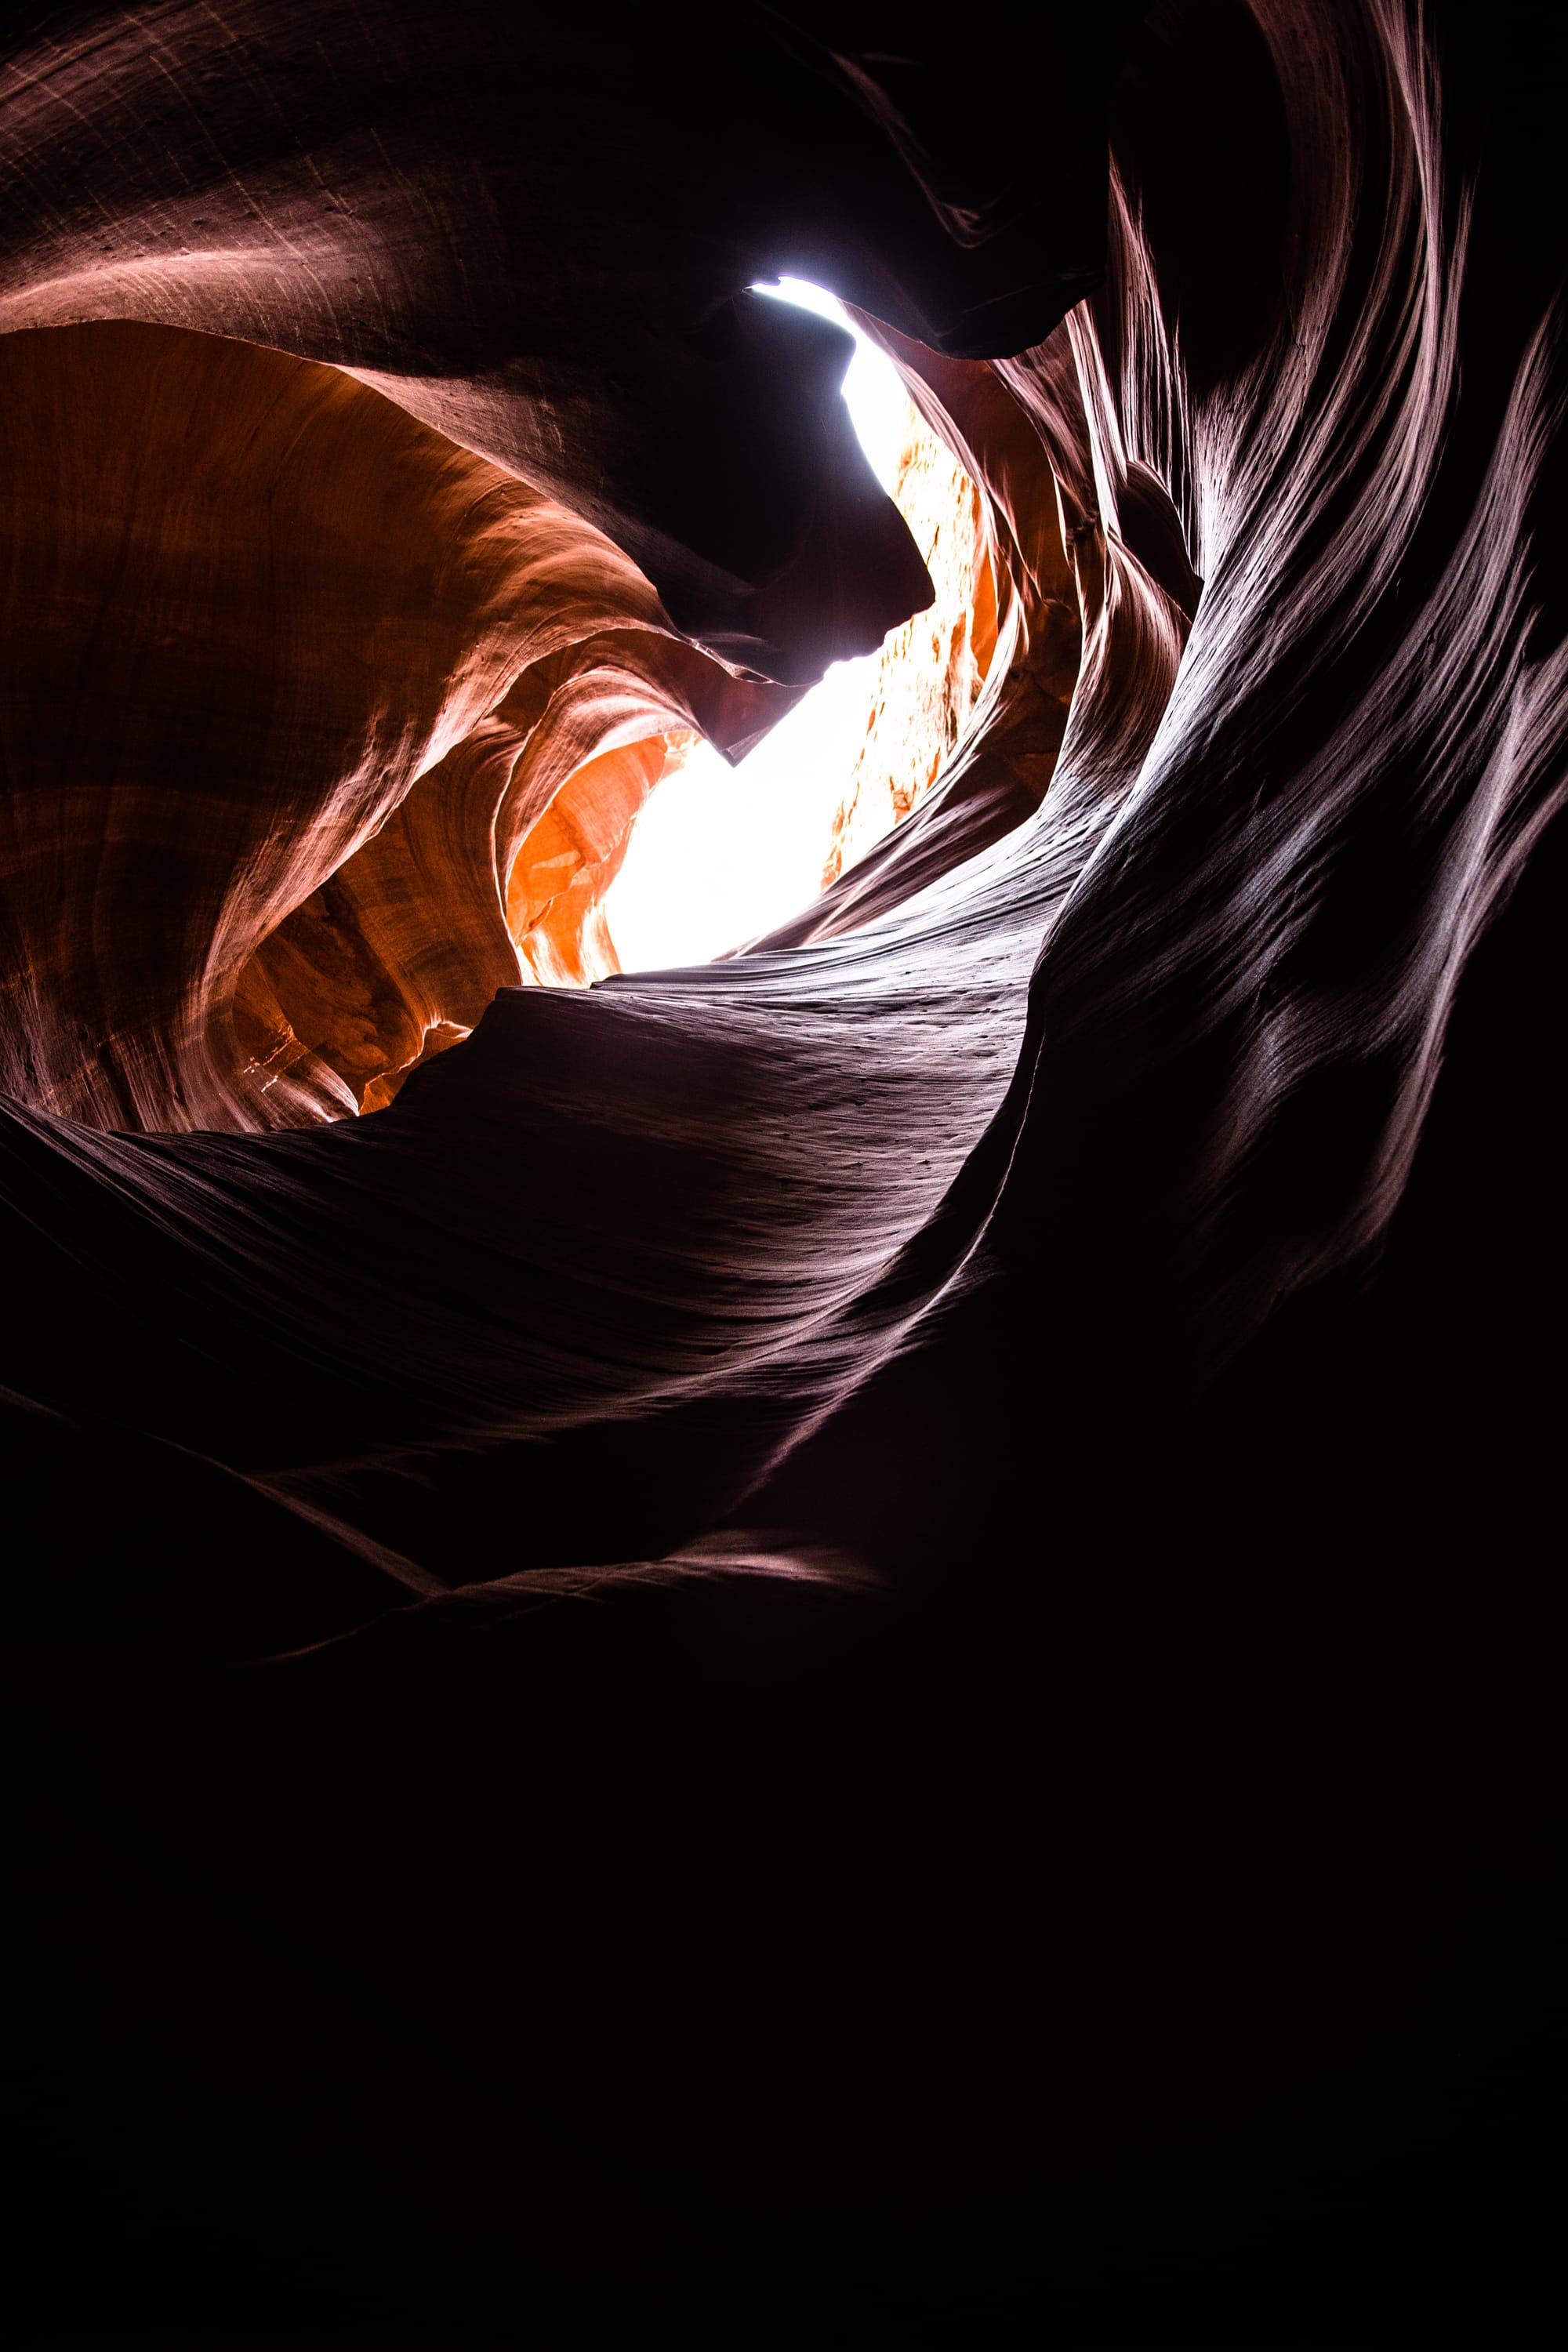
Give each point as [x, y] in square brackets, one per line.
[279, 662]
[930, 672]
[567, 863]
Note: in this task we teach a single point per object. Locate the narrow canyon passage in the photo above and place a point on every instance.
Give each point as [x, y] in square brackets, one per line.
[829, 1623]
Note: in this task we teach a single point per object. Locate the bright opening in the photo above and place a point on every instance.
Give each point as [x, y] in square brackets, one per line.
[719, 854]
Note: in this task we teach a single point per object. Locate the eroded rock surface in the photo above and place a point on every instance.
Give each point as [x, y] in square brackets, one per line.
[930, 671]
[875, 1613]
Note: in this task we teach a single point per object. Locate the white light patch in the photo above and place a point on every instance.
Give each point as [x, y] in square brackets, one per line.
[873, 391]
[721, 854]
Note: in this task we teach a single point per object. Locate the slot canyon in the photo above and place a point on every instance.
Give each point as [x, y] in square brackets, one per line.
[852, 1644]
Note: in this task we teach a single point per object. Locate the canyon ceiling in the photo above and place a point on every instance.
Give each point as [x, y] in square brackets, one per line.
[859, 1636]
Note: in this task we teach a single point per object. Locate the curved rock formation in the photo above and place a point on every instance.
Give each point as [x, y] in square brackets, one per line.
[883, 1598]
[931, 672]
[361, 194]
[265, 631]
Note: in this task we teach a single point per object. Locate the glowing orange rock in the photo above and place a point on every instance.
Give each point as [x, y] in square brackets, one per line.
[279, 661]
[930, 671]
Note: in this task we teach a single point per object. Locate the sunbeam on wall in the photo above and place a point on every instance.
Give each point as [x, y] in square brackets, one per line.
[721, 854]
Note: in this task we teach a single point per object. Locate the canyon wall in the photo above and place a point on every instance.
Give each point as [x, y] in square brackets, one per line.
[930, 672]
[875, 1611]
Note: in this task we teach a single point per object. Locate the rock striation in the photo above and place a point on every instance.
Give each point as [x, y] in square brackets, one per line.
[930, 672]
[342, 670]
[657, 1608]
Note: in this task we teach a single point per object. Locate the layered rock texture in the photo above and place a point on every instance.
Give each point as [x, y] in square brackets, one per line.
[381, 708]
[858, 1632]
[930, 672]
